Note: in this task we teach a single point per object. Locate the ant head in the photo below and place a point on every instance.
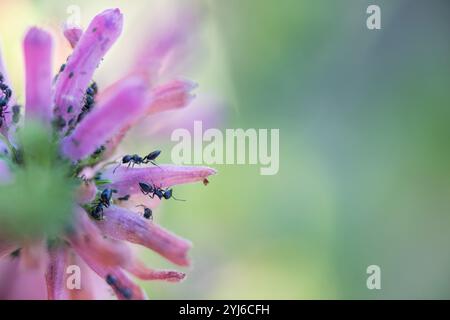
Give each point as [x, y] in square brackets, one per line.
[127, 158]
[167, 194]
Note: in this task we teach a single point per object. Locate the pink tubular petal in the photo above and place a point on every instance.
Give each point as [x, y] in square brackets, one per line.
[72, 83]
[87, 237]
[108, 118]
[55, 275]
[166, 47]
[73, 34]
[126, 180]
[123, 224]
[173, 95]
[122, 280]
[139, 270]
[38, 47]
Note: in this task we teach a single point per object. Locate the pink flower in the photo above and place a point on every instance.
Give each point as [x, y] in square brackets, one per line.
[88, 127]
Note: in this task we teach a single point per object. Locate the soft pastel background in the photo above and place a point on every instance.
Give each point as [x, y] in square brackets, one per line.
[365, 142]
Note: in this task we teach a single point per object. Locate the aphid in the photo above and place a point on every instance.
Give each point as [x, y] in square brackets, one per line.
[124, 198]
[126, 293]
[133, 159]
[111, 280]
[205, 182]
[148, 213]
[89, 101]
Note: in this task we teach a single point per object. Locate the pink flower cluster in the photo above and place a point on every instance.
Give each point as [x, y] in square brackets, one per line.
[90, 126]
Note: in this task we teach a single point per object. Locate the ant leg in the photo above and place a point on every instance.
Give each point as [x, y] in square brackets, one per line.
[114, 171]
[154, 163]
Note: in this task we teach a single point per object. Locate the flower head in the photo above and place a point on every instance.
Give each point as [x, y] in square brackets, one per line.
[61, 202]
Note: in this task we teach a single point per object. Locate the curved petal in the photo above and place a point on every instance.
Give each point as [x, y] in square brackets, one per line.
[166, 47]
[73, 81]
[121, 108]
[86, 237]
[176, 94]
[38, 47]
[138, 269]
[55, 275]
[123, 224]
[126, 180]
[122, 282]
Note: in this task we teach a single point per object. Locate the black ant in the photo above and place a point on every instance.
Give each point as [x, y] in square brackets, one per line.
[7, 93]
[148, 214]
[103, 202]
[113, 282]
[133, 159]
[152, 191]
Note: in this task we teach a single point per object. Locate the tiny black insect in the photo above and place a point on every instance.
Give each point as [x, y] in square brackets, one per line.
[114, 283]
[111, 280]
[89, 101]
[124, 198]
[133, 159]
[148, 213]
[126, 293]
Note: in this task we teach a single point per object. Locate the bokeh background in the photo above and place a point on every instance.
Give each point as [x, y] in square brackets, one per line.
[364, 142]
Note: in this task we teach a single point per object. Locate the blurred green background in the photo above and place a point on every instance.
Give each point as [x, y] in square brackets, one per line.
[364, 144]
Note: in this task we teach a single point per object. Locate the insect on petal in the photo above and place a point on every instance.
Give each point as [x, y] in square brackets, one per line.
[120, 108]
[126, 180]
[73, 81]
[123, 224]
